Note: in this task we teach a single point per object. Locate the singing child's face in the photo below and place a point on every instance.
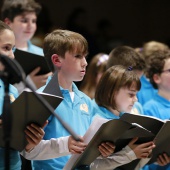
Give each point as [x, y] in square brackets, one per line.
[73, 66]
[24, 26]
[163, 79]
[125, 99]
[7, 43]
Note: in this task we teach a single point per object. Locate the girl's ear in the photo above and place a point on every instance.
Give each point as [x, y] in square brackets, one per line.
[157, 78]
[56, 59]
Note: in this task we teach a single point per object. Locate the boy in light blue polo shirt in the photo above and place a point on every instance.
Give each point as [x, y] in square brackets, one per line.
[21, 16]
[66, 52]
[159, 75]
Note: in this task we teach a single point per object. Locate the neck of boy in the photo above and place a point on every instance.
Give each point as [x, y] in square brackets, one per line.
[65, 84]
[21, 45]
[164, 93]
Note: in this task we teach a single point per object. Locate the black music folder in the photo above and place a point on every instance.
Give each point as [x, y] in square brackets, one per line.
[117, 131]
[28, 109]
[30, 61]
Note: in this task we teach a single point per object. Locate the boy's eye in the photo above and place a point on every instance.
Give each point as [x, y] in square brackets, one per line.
[34, 21]
[24, 20]
[79, 56]
[131, 95]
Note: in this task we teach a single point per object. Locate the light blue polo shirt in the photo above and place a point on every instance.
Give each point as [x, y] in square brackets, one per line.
[146, 92]
[158, 107]
[15, 162]
[35, 49]
[77, 114]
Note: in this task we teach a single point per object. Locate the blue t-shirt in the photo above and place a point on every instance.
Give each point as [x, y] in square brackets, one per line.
[77, 114]
[158, 107]
[15, 162]
[146, 92]
[103, 112]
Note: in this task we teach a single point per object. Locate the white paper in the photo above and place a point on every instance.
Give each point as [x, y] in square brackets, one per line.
[96, 124]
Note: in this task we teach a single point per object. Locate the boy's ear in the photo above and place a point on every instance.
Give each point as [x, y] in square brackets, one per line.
[7, 21]
[157, 78]
[56, 59]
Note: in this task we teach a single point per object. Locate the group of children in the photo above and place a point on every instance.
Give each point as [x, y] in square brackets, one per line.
[114, 93]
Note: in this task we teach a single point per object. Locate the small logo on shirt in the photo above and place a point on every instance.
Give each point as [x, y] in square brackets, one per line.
[84, 107]
[12, 98]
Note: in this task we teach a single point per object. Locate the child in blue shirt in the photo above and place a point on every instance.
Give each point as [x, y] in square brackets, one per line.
[21, 16]
[127, 56]
[116, 94]
[147, 88]
[66, 52]
[7, 42]
[159, 74]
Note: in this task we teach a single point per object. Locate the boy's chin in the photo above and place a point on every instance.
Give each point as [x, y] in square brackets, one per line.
[79, 80]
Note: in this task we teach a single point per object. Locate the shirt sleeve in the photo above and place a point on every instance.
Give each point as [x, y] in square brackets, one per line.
[48, 149]
[122, 157]
[142, 163]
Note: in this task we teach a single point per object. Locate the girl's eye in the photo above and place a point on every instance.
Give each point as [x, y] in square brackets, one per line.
[7, 48]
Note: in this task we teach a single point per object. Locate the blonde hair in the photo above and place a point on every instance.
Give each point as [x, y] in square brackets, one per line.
[152, 46]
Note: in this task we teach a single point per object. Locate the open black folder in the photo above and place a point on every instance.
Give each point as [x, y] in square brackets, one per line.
[28, 109]
[117, 131]
[30, 61]
[158, 127]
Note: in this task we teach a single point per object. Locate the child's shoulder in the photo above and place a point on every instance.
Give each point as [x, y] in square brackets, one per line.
[35, 49]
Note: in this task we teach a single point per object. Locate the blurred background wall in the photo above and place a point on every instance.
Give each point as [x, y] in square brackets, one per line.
[115, 22]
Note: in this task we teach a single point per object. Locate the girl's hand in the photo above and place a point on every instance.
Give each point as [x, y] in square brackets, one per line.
[163, 159]
[106, 149]
[141, 150]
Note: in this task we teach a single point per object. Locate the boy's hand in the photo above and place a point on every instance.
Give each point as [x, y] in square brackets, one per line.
[163, 159]
[76, 147]
[106, 149]
[39, 80]
[34, 134]
[141, 150]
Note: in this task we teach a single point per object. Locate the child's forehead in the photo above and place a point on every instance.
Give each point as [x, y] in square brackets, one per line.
[167, 63]
[78, 50]
[76, 53]
[27, 13]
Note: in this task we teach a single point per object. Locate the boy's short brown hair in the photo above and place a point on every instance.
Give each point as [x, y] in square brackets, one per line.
[60, 41]
[156, 64]
[13, 8]
[126, 56]
[115, 77]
